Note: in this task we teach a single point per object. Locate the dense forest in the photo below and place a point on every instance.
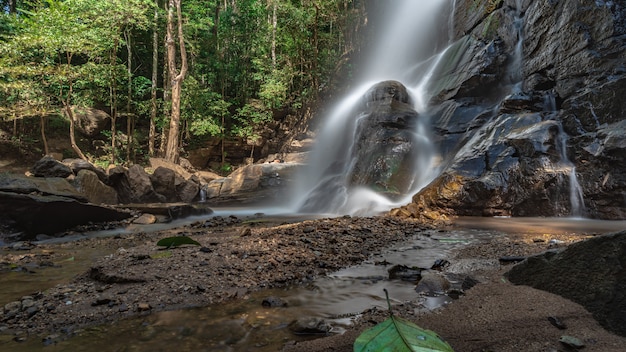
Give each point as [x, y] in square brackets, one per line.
[171, 74]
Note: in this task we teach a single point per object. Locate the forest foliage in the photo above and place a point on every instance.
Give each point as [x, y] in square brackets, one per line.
[247, 59]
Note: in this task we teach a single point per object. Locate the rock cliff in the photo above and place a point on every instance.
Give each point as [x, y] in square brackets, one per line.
[529, 113]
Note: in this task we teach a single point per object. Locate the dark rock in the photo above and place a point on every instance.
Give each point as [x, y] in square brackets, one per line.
[118, 179]
[79, 164]
[98, 274]
[89, 184]
[187, 190]
[164, 182]
[590, 273]
[510, 136]
[404, 273]
[50, 167]
[432, 283]
[557, 323]
[440, 264]
[310, 326]
[101, 301]
[273, 302]
[141, 186]
[54, 186]
[36, 214]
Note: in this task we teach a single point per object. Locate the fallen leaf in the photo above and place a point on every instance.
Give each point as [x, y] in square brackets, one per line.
[397, 334]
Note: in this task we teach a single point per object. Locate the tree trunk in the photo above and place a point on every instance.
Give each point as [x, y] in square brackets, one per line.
[129, 95]
[153, 89]
[113, 102]
[46, 150]
[68, 109]
[171, 152]
[274, 27]
[70, 116]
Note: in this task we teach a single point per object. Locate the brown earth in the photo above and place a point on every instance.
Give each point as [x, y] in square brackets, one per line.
[239, 256]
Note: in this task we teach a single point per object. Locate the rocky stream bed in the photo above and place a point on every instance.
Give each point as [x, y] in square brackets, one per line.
[239, 256]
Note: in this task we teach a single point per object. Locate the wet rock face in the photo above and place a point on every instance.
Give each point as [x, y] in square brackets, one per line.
[509, 147]
[383, 149]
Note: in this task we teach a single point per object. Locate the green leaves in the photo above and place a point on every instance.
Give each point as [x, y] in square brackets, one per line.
[397, 334]
[176, 241]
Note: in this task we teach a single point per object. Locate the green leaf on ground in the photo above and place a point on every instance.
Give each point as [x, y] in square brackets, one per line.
[397, 334]
[176, 241]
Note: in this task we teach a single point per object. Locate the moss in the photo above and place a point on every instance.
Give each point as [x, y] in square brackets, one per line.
[490, 26]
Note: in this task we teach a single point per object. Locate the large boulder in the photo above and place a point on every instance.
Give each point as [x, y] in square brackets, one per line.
[164, 182]
[90, 121]
[173, 186]
[89, 184]
[141, 186]
[36, 214]
[254, 183]
[384, 141]
[118, 179]
[50, 167]
[133, 185]
[37, 205]
[371, 146]
[76, 165]
[591, 273]
[50, 186]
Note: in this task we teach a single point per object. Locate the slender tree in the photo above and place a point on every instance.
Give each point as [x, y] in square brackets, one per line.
[176, 76]
[155, 73]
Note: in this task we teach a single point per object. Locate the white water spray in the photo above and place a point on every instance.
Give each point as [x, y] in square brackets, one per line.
[410, 36]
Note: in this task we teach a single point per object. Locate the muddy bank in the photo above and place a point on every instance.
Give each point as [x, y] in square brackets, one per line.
[235, 257]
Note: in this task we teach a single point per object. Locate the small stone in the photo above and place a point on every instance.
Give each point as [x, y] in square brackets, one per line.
[557, 322]
[273, 302]
[571, 341]
[145, 219]
[100, 301]
[30, 312]
[12, 307]
[142, 307]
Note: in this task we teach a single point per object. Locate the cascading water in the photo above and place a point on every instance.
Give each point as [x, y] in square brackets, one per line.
[516, 76]
[411, 35]
[576, 198]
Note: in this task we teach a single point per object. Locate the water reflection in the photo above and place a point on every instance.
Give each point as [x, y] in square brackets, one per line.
[538, 225]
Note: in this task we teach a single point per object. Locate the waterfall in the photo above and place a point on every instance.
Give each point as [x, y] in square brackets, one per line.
[202, 194]
[576, 198]
[411, 34]
[516, 67]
